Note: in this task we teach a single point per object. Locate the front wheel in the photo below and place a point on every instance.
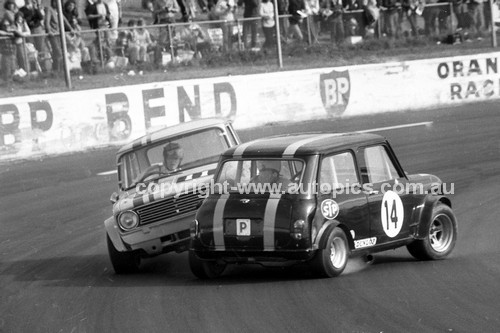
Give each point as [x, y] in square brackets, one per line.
[123, 262]
[440, 237]
[331, 261]
[205, 269]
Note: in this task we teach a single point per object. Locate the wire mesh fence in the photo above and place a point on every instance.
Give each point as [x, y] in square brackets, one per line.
[136, 47]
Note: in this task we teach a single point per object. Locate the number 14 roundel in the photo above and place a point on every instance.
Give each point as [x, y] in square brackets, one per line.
[392, 214]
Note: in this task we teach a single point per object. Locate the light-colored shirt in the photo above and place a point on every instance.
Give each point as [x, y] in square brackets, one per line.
[267, 14]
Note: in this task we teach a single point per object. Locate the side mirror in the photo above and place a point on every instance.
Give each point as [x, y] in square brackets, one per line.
[114, 198]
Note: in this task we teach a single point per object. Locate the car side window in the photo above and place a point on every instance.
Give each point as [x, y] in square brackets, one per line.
[338, 171]
[379, 167]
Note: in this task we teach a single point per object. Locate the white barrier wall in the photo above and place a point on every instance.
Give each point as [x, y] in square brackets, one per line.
[70, 121]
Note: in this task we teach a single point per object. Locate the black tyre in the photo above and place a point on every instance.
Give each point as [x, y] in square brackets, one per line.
[123, 262]
[440, 238]
[331, 261]
[205, 269]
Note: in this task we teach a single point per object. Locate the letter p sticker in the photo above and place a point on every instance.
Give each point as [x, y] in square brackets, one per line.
[243, 227]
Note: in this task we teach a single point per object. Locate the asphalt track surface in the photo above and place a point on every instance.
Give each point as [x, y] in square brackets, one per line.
[55, 275]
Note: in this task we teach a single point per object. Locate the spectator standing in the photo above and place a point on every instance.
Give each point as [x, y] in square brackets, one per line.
[296, 9]
[98, 15]
[70, 13]
[334, 13]
[34, 18]
[114, 8]
[266, 11]
[224, 9]
[313, 18]
[7, 50]
[431, 16]
[51, 22]
[475, 13]
[411, 9]
[164, 12]
[372, 13]
[21, 31]
[10, 12]
[250, 12]
[459, 9]
[391, 17]
[444, 15]
[283, 10]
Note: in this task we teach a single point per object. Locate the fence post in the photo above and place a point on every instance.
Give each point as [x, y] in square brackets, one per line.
[64, 50]
[493, 32]
[239, 36]
[379, 29]
[278, 35]
[25, 57]
[171, 42]
[99, 41]
[451, 18]
[308, 30]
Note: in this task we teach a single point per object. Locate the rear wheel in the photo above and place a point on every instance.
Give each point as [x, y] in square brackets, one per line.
[123, 262]
[331, 261]
[205, 269]
[440, 238]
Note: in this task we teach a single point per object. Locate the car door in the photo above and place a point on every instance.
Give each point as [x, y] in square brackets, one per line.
[340, 196]
[390, 207]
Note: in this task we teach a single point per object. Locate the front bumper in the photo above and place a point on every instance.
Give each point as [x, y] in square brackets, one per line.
[164, 236]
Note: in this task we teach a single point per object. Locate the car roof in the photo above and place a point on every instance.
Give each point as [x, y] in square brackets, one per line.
[302, 144]
[171, 131]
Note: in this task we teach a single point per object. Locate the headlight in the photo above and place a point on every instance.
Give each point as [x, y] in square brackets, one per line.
[128, 220]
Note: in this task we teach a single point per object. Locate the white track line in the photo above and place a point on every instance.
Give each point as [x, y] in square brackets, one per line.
[105, 173]
[424, 123]
[378, 129]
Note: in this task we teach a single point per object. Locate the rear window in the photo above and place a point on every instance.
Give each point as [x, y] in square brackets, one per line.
[269, 175]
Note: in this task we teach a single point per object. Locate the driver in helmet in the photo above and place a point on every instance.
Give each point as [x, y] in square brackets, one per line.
[172, 157]
[269, 173]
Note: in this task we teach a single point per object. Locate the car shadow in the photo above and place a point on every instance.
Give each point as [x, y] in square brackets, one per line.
[173, 270]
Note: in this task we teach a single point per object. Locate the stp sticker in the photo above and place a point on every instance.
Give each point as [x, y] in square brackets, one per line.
[329, 209]
[392, 214]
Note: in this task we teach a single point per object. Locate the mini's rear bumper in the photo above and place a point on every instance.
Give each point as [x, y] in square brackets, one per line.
[266, 258]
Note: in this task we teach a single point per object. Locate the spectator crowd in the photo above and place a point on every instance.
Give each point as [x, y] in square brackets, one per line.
[30, 40]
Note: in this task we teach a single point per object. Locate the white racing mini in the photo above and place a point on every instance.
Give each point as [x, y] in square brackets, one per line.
[161, 179]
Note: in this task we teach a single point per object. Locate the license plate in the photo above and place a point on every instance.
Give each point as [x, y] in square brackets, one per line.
[243, 227]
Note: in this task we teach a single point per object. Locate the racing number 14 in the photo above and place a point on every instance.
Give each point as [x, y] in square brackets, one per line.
[393, 216]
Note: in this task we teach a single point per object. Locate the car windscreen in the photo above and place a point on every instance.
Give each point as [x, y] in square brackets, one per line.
[196, 149]
[259, 175]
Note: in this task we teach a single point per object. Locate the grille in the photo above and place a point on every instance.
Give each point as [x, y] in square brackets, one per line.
[168, 208]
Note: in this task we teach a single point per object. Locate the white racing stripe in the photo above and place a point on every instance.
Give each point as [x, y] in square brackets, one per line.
[218, 227]
[424, 123]
[291, 149]
[241, 148]
[270, 221]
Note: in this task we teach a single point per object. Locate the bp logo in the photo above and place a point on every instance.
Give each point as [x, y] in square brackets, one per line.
[335, 88]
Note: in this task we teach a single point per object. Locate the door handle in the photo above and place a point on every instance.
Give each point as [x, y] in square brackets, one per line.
[373, 192]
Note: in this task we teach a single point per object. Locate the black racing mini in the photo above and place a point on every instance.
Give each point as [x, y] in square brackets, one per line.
[317, 198]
